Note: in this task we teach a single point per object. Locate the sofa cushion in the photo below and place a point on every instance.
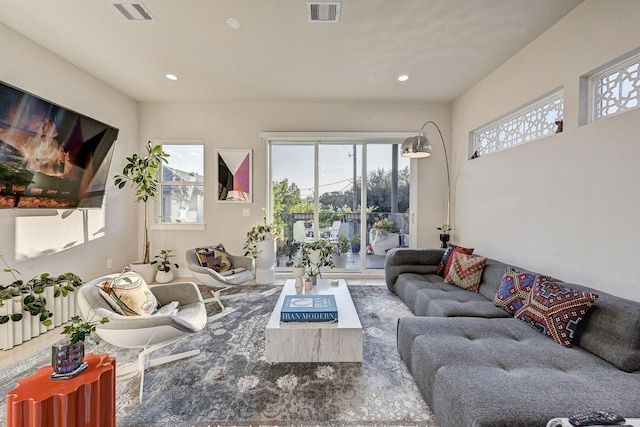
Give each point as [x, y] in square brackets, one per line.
[611, 330]
[458, 362]
[445, 263]
[465, 271]
[555, 310]
[514, 288]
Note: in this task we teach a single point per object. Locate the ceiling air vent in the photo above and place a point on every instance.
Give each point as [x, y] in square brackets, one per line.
[133, 10]
[324, 11]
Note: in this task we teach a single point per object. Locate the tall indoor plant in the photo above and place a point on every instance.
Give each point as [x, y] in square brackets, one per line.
[261, 245]
[142, 174]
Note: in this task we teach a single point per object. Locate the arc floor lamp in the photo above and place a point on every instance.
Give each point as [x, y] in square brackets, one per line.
[418, 147]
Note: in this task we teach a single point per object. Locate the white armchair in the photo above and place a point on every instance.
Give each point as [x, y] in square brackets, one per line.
[212, 278]
[149, 333]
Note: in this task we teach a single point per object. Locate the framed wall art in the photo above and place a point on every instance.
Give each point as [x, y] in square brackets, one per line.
[234, 175]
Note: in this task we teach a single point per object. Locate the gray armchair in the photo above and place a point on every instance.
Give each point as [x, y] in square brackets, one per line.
[149, 333]
[212, 278]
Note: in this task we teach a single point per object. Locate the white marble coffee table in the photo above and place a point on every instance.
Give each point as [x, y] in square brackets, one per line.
[316, 342]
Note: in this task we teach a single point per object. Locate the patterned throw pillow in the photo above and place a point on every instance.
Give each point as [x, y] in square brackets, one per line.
[445, 263]
[215, 258]
[555, 310]
[466, 271]
[130, 294]
[514, 288]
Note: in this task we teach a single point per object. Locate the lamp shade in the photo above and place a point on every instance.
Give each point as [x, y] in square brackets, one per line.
[416, 147]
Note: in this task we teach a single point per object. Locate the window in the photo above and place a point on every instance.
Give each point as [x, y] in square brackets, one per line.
[181, 195]
[615, 89]
[336, 187]
[536, 120]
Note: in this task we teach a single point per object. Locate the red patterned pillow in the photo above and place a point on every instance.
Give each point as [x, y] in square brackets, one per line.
[445, 263]
[555, 310]
[514, 288]
[466, 271]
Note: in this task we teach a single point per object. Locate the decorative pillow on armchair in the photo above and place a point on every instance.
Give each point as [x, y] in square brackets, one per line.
[466, 271]
[129, 294]
[215, 258]
[514, 288]
[443, 266]
[555, 310]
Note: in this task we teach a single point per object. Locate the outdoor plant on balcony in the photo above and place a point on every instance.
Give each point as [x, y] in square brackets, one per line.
[382, 228]
[342, 244]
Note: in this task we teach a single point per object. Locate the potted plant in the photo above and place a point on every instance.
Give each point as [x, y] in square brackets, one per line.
[48, 299]
[261, 245]
[444, 234]
[165, 265]
[383, 236]
[355, 243]
[29, 295]
[142, 174]
[67, 355]
[317, 254]
[341, 247]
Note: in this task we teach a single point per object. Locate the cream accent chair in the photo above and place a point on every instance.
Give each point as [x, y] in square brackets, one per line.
[150, 333]
[212, 278]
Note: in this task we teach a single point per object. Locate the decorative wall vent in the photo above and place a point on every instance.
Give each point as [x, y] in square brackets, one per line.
[324, 11]
[133, 10]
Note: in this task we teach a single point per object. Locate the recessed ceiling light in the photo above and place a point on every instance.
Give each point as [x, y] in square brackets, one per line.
[171, 77]
[403, 78]
[233, 23]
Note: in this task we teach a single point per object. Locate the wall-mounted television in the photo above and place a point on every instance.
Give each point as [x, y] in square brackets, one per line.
[51, 157]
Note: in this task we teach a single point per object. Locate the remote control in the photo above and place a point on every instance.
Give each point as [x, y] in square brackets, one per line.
[596, 418]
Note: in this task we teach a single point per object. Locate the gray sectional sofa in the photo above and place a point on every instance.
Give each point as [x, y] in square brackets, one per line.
[476, 365]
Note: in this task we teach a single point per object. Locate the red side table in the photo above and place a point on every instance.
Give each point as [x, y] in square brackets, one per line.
[86, 400]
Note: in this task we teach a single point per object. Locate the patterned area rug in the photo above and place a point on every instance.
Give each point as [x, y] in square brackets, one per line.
[230, 383]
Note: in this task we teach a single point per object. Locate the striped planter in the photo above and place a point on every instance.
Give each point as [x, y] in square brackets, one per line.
[15, 333]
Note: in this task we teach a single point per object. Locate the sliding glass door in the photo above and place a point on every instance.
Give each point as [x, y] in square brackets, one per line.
[353, 193]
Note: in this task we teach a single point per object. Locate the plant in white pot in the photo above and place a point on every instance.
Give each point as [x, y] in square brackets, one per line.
[341, 247]
[165, 265]
[261, 245]
[142, 175]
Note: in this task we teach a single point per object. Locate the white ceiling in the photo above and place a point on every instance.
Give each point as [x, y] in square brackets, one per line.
[445, 46]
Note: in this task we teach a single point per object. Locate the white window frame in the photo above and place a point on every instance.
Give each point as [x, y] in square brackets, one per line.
[156, 224]
[521, 119]
[591, 88]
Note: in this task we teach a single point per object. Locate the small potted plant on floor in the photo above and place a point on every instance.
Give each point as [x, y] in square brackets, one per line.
[165, 265]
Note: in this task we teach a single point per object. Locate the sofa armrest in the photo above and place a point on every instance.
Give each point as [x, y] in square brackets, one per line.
[404, 260]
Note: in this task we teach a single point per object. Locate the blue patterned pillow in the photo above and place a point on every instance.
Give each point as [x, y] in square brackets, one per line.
[514, 288]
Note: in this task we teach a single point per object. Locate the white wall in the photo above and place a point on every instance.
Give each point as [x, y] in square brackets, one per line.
[35, 242]
[231, 125]
[567, 205]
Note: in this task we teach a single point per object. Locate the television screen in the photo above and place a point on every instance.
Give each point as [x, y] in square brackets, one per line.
[51, 157]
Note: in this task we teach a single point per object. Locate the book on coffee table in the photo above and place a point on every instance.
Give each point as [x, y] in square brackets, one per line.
[309, 308]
